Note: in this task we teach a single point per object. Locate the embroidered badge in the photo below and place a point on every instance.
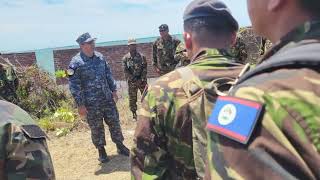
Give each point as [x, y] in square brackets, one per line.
[70, 72]
[234, 118]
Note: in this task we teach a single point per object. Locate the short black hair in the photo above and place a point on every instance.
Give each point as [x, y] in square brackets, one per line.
[312, 6]
[215, 27]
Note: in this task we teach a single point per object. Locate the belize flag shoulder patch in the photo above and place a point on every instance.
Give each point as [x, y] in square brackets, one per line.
[234, 118]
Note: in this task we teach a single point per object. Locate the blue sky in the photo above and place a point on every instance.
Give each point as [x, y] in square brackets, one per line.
[37, 24]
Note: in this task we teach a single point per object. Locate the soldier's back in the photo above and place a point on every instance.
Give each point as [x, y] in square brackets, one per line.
[24, 153]
[168, 100]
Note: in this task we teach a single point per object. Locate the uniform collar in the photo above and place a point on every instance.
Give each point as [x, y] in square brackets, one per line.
[203, 53]
[167, 40]
[86, 58]
[136, 54]
[306, 31]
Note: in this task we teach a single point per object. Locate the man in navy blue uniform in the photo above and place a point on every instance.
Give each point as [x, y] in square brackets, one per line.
[95, 93]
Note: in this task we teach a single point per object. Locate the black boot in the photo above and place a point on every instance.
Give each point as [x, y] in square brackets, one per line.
[122, 149]
[103, 158]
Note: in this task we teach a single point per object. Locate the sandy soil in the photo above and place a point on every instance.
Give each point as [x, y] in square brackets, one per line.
[75, 157]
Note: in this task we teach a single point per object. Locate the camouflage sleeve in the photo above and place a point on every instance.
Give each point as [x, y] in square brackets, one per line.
[285, 143]
[111, 82]
[155, 54]
[125, 67]
[148, 155]
[27, 154]
[75, 87]
[145, 68]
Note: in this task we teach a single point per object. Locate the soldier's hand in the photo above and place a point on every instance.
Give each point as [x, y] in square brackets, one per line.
[115, 96]
[82, 111]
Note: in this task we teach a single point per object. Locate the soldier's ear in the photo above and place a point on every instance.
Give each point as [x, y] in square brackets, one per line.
[187, 40]
[274, 5]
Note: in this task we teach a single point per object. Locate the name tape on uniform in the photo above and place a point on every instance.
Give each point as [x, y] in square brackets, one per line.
[234, 118]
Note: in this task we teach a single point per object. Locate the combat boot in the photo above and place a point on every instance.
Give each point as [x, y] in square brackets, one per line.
[103, 158]
[122, 149]
[134, 116]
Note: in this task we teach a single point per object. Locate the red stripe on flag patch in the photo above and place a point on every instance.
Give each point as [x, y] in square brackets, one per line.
[240, 101]
[226, 132]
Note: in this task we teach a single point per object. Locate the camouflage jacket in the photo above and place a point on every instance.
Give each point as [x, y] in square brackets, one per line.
[24, 152]
[163, 54]
[90, 79]
[181, 56]
[249, 47]
[285, 143]
[8, 83]
[135, 68]
[163, 139]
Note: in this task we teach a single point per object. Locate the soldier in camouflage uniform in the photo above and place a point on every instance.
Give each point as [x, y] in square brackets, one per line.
[164, 49]
[181, 56]
[135, 69]
[8, 83]
[24, 152]
[95, 91]
[165, 137]
[283, 141]
[249, 47]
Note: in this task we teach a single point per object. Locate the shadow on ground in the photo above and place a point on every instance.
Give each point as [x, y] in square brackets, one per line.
[116, 163]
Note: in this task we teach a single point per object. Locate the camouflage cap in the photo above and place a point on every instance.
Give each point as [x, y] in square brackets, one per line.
[132, 41]
[210, 8]
[163, 27]
[84, 38]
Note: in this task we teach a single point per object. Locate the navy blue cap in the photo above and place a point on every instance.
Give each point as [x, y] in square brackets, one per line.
[85, 38]
[210, 8]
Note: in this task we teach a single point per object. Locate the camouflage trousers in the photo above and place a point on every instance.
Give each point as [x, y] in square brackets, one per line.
[133, 87]
[107, 112]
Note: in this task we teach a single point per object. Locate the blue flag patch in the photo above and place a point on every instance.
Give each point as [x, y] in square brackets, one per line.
[234, 118]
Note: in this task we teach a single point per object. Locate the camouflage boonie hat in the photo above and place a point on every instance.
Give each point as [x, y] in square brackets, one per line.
[163, 27]
[132, 41]
[85, 38]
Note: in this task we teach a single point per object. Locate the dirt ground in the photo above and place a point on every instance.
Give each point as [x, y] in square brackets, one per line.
[75, 157]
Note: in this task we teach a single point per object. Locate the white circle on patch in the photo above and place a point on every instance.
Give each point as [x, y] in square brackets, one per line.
[227, 114]
[70, 72]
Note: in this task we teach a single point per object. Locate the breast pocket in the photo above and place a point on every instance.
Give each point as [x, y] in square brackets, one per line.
[88, 73]
[27, 152]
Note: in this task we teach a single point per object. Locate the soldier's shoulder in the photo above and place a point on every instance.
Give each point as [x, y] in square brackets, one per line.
[76, 61]
[99, 55]
[181, 47]
[157, 41]
[176, 39]
[168, 82]
[126, 56]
